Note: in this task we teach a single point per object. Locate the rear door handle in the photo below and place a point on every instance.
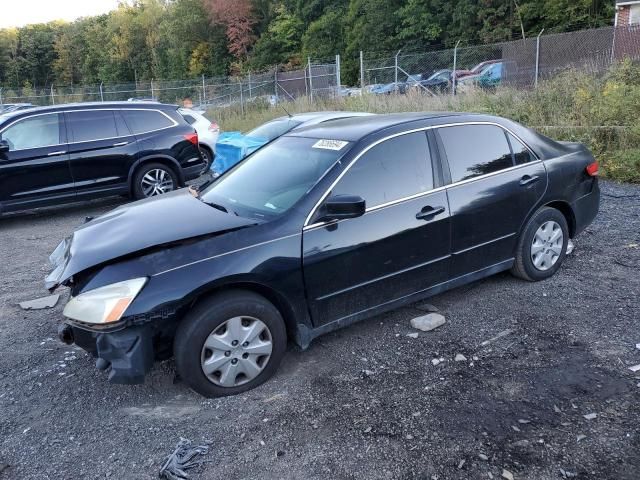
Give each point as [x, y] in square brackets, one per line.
[529, 180]
[120, 144]
[52, 154]
[429, 212]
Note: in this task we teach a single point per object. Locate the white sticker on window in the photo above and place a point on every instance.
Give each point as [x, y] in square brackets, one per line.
[330, 144]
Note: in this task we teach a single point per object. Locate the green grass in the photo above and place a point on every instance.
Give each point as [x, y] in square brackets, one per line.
[600, 111]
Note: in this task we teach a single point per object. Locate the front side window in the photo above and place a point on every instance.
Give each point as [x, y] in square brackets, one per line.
[88, 125]
[474, 150]
[34, 132]
[142, 121]
[394, 169]
[274, 178]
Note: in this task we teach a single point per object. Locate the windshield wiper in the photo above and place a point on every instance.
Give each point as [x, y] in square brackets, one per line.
[217, 206]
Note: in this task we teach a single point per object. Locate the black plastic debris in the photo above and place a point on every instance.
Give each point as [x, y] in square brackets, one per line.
[183, 458]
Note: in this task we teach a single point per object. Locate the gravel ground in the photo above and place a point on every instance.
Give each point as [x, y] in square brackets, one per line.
[364, 402]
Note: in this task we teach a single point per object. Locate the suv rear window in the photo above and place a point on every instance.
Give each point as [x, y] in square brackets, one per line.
[87, 125]
[142, 121]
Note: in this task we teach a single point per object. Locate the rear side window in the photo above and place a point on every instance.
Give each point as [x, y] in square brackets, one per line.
[521, 154]
[34, 132]
[90, 125]
[190, 120]
[474, 150]
[394, 169]
[142, 121]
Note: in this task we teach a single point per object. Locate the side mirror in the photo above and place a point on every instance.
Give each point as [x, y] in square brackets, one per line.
[4, 146]
[339, 207]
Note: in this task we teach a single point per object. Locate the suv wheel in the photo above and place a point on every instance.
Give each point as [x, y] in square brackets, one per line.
[542, 246]
[207, 156]
[154, 179]
[229, 343]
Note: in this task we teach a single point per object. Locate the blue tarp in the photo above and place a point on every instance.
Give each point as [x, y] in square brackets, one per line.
[233, 147]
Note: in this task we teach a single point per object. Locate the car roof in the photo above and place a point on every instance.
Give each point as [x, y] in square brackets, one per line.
[94, 105]
[354, 128]
[315, 117]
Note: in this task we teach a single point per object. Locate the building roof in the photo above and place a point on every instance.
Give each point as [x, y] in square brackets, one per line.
[622, 3]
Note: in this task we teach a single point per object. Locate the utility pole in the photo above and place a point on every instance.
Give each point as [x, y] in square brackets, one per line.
[538, 57]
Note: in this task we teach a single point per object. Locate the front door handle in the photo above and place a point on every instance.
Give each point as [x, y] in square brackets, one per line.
[121, 144]
[429, 212]
[528, 180]
[52, 154]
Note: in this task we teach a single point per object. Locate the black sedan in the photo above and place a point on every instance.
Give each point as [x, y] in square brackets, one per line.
[323, 227]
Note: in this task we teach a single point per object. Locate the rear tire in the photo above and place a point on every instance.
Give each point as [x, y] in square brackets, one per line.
[542, 246]
[153, 179]
[238, 337]
[208, 157]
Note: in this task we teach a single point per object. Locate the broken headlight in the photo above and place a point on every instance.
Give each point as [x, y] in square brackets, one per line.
[105, 304]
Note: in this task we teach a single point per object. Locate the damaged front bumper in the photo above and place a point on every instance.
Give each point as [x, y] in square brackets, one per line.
[127, 355]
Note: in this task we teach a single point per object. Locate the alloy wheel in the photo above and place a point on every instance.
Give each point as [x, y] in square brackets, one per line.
[156, 182]
[237, 351]
[547, 244]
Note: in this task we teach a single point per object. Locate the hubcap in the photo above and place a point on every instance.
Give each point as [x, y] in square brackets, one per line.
[547, 245]
[236, 352]
[156, 182]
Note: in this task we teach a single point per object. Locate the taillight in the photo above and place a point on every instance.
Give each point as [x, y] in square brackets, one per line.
[592, 169]
[213, 127]
[192, 137]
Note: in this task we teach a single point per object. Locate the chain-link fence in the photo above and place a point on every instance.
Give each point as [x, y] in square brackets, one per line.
[316, 79]
[519, 63]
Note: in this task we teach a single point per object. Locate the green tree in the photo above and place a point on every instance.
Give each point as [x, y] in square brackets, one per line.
[281, 42]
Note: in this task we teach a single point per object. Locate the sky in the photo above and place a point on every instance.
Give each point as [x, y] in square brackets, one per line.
[17, 13]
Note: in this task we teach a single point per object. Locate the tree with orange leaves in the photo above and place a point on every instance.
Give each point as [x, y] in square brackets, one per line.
[238, 18]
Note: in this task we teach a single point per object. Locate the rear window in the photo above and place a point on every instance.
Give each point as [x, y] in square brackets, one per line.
[474, 150]
[141, 121]
[90, 125]
[274, 129]
[189, 119]
[521, 154]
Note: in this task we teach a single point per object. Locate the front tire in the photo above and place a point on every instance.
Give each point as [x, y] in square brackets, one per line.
[229, 343]
[542, 246]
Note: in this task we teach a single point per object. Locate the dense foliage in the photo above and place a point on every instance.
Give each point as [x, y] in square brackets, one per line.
[171, 39]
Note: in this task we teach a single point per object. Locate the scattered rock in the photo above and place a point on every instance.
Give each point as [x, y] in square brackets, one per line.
[367, 430]
[523, 421]
[460, 358]
[570, 247]
[482, 456]
[504, 333]
[40, 303]
[461, 464]
[556, 409]
[427, 307]
[507, 474]
[521, 443]
[435, 361]
[580, 437]
[590, 416]
[635, 368]
[367, 373]
[516, 429]
[428, 322]
[638, 346]
[413, 335]
[409, 437]
[567, 474]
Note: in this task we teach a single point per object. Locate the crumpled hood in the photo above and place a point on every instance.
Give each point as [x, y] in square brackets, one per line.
[138, 226]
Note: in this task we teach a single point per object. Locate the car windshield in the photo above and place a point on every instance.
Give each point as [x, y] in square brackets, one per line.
[440, 75]
[270, 181]
[274, 129]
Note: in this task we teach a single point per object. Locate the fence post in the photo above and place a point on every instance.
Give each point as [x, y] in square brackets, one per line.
[241, 98]
[152, 94]
[396, 70]
[101, 94]
[53, 99]
[204, 91]
[275, 85]
[338, 81]
[362, 71]
[455, 65]
[250, 94]
[310, 79]
[538, 57]
[1, 103]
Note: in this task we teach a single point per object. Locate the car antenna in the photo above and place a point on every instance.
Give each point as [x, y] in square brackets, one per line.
[285, 111]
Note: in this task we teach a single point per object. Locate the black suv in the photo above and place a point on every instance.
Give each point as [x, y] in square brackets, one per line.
[67, 153]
